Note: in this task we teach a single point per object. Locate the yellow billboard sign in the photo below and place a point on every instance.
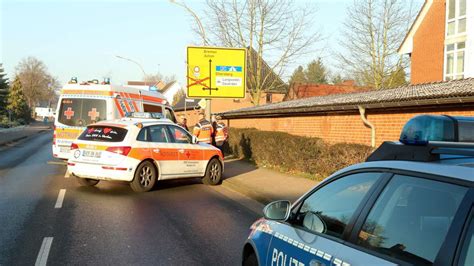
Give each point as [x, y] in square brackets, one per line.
[216, 72]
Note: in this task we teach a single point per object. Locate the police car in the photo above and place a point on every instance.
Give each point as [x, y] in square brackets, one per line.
[142, 150]
[411, 203]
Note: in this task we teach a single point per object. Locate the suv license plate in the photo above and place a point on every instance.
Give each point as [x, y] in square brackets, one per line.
[93, 154]
[65, 149]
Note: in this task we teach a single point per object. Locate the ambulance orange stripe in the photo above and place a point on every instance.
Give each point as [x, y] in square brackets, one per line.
[153, 99]
[124, 100]
[146, 98]
[119, 108]
[135, 106]
[133, 102]
[90, 92]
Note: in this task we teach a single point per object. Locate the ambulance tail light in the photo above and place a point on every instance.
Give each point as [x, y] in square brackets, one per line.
[74, 146]
[54, 135]
[122, 150]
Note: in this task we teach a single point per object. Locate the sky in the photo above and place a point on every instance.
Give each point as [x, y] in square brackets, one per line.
[82, 38]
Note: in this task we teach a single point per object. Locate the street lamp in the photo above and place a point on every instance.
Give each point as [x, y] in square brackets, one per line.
[133, 61]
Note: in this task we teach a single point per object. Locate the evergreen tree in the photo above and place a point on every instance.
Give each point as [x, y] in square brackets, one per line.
[397, 78]
[3, 91]
[316, 72]
[17, 104]
[298, 76]
[337, 79]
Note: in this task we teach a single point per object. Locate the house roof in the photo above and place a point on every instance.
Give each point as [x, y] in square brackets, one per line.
[406, 47]
[167, 86]
[450, 92]
[158, 84]
[274, 81]
[299, 91]
[179, 106]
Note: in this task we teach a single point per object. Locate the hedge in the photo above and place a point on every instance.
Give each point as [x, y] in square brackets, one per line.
[292, 153]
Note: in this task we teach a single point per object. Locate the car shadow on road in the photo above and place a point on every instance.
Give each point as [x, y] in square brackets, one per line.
[118, 188]
[236, 167]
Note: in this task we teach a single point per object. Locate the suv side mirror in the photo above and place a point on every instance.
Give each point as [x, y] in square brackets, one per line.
[277, 210]
[194, 140]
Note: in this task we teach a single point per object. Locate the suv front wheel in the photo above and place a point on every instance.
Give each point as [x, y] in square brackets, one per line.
[213, 174]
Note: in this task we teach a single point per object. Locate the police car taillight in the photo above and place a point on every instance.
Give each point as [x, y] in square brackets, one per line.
[74, 146]
[122, 150]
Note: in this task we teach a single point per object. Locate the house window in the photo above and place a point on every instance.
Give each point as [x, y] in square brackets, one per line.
[269, 98]
[455, 17]
[454, 61]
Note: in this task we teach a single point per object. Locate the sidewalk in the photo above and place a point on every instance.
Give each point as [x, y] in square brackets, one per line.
[10, 135]
[263, 185]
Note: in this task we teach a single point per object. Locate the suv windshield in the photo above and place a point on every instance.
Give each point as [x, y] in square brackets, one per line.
[81, 112]
[103, 133]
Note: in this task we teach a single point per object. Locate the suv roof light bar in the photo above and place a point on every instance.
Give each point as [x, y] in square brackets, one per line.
[144, 115]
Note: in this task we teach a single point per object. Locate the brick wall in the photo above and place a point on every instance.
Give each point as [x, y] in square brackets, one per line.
[428, 46]
[336, 128]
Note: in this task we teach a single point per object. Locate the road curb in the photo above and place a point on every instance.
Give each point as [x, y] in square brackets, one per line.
[17, 139]
[246, 190]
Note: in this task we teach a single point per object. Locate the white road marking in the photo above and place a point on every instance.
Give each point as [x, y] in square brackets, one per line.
[59, 201]
[44, 251]
[67, 174]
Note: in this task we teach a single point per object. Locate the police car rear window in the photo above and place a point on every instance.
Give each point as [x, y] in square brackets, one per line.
[103, 133]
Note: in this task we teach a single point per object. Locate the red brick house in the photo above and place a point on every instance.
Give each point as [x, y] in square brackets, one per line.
[440, 42]
[303, 90]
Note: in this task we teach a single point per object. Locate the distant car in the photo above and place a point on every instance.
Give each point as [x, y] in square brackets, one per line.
[411, 203]
[142, 151]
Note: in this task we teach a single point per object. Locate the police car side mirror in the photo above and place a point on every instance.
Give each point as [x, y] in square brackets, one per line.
[277, 210]
[194, 140]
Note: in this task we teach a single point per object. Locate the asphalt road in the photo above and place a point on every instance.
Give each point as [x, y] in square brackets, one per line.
[181, 222]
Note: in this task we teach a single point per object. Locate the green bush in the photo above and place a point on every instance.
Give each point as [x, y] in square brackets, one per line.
[292, 153]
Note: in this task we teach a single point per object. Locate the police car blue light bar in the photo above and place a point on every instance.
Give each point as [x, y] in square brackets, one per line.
[423, 129]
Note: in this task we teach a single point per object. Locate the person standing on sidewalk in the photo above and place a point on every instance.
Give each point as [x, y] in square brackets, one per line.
[203, 129]
[220, 132]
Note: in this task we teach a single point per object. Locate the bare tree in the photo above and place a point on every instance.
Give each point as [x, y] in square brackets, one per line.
[373, 31]
[275, 30]
[38, 85]
[156, 78]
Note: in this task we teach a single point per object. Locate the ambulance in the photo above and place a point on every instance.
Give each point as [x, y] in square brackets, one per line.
[81, 104]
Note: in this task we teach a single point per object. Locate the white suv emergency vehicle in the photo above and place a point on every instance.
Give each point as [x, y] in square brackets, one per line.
[142, 151]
